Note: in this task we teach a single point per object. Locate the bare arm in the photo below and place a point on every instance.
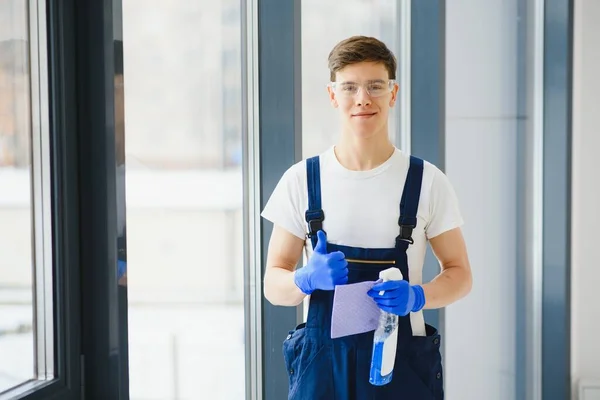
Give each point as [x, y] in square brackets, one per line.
[455, 280]
[285, 249]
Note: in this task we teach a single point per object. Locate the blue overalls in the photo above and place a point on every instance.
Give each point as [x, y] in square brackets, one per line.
[338, 369]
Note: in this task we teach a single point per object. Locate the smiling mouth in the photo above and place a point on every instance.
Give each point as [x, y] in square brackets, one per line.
[365, 115]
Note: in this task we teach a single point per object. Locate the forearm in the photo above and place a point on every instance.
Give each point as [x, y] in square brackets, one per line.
[280, 289]
[452, 284]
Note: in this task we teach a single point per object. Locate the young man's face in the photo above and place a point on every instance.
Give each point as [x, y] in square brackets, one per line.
[363, 95]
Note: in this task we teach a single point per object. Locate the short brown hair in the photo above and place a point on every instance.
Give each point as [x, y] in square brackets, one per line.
[357, 49]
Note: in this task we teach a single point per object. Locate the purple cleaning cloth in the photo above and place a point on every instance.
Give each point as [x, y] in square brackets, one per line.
[354, 311]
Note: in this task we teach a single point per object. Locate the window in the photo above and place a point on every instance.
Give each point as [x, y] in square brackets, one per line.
[184, 199]
[26, 327]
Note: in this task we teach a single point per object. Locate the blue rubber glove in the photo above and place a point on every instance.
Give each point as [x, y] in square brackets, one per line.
[399, 297]
[324, 270]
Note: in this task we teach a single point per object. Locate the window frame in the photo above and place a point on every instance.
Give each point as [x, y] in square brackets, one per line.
[56, 275]
[272, 120]
[85, 295]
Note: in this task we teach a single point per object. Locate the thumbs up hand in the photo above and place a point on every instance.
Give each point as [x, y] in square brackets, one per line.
[324, 270]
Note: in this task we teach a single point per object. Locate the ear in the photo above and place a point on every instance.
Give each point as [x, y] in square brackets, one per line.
[332, 98]
[394, 95]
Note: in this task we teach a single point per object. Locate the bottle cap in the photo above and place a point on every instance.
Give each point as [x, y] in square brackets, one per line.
[390, 274]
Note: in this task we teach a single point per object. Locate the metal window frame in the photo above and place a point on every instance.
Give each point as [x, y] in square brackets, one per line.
[251, 206]
[556, 218]
[272, 142]
[103, 302]
[41, 201]
[60, 126]
[428, 105]
[90, 309]
[530, 201]
[42, 196]
[404, 17]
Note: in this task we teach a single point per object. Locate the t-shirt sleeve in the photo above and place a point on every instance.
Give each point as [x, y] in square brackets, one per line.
[444, 210]
[284, 205]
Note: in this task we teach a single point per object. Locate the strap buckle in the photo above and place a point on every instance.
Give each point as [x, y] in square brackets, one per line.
[315, 222]
[406, 234]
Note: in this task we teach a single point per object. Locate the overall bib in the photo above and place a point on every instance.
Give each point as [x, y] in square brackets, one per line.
[319, 367]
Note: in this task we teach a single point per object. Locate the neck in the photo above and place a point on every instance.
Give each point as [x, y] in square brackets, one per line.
[363, 154]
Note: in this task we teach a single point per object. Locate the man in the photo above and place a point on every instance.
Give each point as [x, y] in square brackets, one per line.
[364, 206]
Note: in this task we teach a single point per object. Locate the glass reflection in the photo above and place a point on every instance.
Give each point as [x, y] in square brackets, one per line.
[183, 124]
[16, 262]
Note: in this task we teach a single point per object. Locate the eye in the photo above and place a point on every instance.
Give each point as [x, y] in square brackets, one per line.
[348, 88]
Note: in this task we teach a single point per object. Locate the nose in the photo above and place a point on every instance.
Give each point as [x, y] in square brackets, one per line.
[362, 98]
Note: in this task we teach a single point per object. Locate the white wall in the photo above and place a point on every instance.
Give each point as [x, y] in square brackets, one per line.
[481, 129]
[585, 305]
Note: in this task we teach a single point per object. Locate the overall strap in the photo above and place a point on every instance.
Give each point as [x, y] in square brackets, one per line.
[409, 203]
[314, 215]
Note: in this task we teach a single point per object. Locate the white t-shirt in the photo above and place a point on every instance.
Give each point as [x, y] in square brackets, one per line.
[362, 208]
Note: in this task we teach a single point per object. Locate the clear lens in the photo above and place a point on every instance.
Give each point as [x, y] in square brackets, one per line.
[373, 89]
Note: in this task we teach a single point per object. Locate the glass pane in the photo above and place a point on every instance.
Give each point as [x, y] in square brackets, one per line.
[324, 24]
[488, 74]
[16, 270]
[182, 67]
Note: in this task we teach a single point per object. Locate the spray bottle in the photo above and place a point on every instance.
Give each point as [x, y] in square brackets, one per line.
[385, 339]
